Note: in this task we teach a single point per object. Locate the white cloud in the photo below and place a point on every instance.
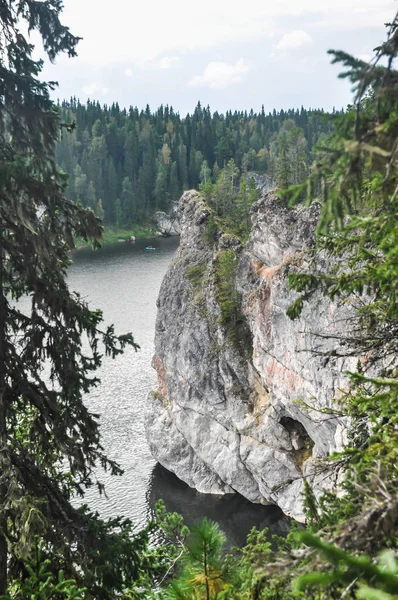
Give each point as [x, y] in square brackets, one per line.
[219, 75]
[165, 62]
[294, 39]
[168, 61]
[94, 89]
[128, 72]
[150, 30]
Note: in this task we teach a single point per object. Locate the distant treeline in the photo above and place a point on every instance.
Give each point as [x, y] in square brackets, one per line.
[125, 164]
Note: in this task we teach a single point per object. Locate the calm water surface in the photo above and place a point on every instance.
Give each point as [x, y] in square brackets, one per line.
[124, 280]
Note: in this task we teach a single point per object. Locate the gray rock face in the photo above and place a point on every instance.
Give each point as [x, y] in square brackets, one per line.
[264, 182]
[169, 223]
[239, 407]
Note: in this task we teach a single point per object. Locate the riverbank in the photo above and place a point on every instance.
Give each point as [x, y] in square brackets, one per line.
[111, 235]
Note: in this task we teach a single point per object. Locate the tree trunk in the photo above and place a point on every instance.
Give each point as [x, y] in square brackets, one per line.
[206, 570]
[3, 431]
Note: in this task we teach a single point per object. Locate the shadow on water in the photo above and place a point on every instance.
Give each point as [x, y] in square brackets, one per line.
[234, 514]
[122, 249]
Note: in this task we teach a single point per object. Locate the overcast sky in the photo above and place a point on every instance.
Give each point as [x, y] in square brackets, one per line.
[229, 54]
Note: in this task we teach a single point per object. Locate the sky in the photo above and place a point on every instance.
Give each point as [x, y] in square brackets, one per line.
[228, 54]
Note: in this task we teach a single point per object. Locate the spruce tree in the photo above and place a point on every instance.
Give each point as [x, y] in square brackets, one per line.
[205, 573]
[126, 203]
[49, 441]
[284, 167]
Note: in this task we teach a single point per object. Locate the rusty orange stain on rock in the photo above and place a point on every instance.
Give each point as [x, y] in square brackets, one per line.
[161, 373]
[257, 264]
[282, 377]
[267, 272]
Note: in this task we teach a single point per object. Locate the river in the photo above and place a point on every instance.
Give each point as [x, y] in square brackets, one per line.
[124, 280]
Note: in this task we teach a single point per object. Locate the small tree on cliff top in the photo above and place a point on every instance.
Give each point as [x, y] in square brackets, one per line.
[44, 424]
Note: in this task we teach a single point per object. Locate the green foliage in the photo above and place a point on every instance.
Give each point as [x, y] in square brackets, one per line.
[40, 583]
[51, 345]
[291, 157]
[227, 295]
[310, 506]
[210, 231]
[359, 574]
[99, 211]
[204, 571]
[356, 178]
[195, 275]
[171, 524]
[356, 173]
[229, 200]
[257, 571]
[283, 174]
[248, 564]
[161, 153]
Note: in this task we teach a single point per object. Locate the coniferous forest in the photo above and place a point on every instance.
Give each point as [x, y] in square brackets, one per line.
[127, 164]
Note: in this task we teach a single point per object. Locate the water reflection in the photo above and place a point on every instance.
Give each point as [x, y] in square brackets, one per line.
[235, 515]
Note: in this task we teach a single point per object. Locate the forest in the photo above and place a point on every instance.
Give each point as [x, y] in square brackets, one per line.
[127, 164]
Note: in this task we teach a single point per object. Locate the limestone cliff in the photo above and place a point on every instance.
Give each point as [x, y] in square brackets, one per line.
[239, 405]
[168, 223]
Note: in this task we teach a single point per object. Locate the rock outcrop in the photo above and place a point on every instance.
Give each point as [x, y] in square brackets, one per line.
[242, 403]
[264, 183]
[168, 223]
